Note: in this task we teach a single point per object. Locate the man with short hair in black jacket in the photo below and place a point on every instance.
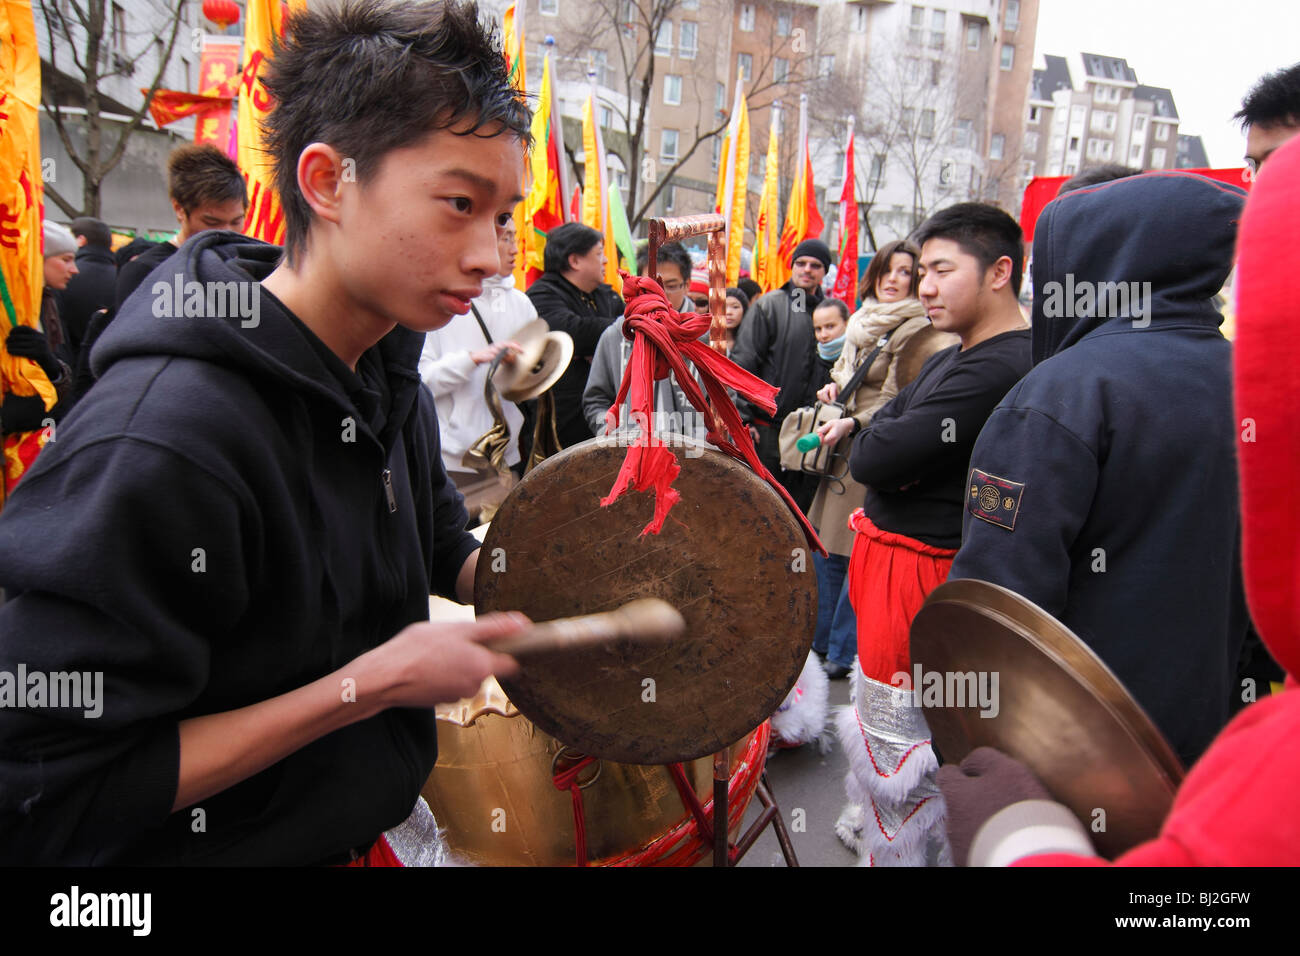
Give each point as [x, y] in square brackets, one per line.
[251, 510]
[573, 298]
[912, 457]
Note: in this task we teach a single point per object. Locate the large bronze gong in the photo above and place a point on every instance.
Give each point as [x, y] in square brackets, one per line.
[1059, 710]
[731, 557]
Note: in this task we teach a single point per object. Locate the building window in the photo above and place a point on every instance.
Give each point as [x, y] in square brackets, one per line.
[688, 38]
[664, 39]
[1162, 132]
[826, 65]
[1158, 158]
[669, 196]
[937, 18]
[672, 90]
[783, 24]
[996, 145]
[913, 69]
[936, 72]
[600, 66]
[668, 146]
[745, 62]
[1135, 154]
[690, 4]
[916, 31]
[859, 19]
[1057, 143]
[877, 169]
[961, 133]
[1077, 115]
[118, 25]
[780, 69]
[549, 8]
[1103, 121]
[1074, 144]
[972, 35]
[606, 117]
[1035, 113]
[717, 154]
[927, 124]
[1031, 143]
[1012, 22]
[1008, 56]
[1139, 124]
[1027, 169]
[909, 120]
[747, 17]
[720, 97]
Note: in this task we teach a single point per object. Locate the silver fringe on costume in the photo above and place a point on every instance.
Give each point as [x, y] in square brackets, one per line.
[896, 814]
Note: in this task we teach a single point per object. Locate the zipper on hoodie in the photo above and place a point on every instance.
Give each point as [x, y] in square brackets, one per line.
[387, 479]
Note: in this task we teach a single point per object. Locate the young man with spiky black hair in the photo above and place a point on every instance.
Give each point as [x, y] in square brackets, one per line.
[252, 514]
[912, 458]
[1270, 114]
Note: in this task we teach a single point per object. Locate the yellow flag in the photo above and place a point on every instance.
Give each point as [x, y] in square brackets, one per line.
[595, 197]
[265, 219]
[512, 30]
[735, 187]
[767, 236]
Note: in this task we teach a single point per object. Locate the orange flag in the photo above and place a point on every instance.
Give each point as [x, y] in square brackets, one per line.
[512, 29]
[21, 232]
[802, 220]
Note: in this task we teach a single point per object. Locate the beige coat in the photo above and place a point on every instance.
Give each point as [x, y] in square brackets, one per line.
[913, 341]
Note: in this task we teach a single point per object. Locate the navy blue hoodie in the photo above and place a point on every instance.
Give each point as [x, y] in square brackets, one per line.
[1104, 486]
[217, 523]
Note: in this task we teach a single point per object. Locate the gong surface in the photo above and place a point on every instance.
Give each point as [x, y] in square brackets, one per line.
[731, 557]
[1060, 710]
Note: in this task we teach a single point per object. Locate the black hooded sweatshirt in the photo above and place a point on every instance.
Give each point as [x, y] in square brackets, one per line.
[230, 514]
[1104, 486]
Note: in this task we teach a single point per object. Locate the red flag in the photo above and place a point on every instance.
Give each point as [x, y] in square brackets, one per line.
[846, 278]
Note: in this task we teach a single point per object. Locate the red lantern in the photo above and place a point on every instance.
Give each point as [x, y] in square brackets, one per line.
[221, 12]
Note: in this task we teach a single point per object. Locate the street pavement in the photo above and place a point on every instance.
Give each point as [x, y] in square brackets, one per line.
[804, 779]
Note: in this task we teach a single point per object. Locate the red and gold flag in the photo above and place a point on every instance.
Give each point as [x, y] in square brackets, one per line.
[218, 76]
[265, 219]
[802, 220]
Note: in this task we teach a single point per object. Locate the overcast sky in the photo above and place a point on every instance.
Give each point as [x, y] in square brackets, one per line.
[1208, 52]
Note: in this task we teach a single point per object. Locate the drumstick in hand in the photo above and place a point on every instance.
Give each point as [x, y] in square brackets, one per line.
[646, 620]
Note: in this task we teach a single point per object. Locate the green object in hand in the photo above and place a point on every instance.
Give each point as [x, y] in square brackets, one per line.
[808, 442]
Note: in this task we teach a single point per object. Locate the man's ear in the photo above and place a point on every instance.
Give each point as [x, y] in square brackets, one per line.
[321, 179]
[1000, 273]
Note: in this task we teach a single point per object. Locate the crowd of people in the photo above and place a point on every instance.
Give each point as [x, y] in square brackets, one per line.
[229, 552]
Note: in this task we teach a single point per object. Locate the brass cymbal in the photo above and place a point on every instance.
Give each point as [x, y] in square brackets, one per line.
[1058, 709]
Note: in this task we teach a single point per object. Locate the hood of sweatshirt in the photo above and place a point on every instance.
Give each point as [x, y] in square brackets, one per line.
[1149, 248]
[206, 303]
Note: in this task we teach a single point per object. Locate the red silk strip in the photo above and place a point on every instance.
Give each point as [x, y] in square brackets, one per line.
[663, 340]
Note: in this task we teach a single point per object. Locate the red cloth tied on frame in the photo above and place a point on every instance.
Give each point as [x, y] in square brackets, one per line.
[663, 340]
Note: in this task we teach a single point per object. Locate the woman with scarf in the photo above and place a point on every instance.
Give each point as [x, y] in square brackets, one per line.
[891, 332]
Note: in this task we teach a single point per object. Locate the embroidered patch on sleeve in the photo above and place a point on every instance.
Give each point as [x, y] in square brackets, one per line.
[993, 499]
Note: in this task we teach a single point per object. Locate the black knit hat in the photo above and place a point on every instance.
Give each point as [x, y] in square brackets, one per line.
[739, 296]
[815, 248]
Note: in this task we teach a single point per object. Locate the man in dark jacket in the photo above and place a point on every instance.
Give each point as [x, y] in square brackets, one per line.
[1104, 486]
[572, 297]
[252, 502]
[91, 289]
[777, 344]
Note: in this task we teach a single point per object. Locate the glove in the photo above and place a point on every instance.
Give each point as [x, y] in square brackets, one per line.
[986, 781]
[26, 342]
[22, 413]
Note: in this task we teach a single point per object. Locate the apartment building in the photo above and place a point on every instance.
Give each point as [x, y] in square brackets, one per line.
[1112, 119]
